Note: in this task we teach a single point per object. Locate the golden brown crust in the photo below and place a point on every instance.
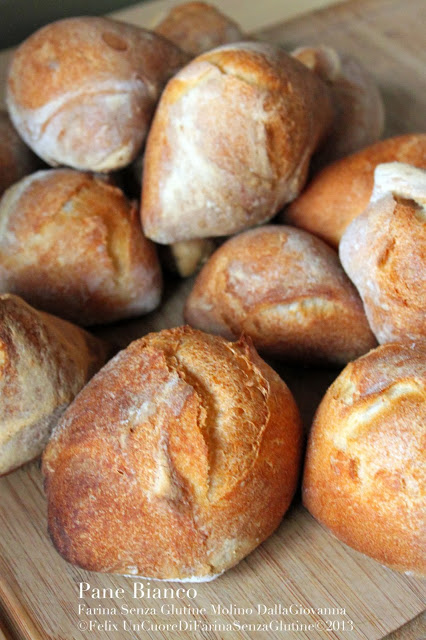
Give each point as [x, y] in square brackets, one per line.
[196, 27]
[384, 253]
[208, 176]
[81, 91]
[359, 110]
[286, 290]
[71, 244]
[190, 465]
[341, 191]
[44, 362]
[16, 159]
[364, 471]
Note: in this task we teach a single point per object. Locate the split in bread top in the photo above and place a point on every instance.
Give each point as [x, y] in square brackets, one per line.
[190, 465]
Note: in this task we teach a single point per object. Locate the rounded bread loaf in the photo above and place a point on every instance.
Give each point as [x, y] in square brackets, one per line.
[196, 27]
[189, 466]
[285, 289]
[342, 191]
[82, 91]
[71, 244]
[44, 362]
[359, 110]
[364, 471]
[383, 251]
[230, 142]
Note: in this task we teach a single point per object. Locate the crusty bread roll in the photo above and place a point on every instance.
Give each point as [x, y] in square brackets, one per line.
[360, 114]
[230, 142]
[285, 289]
[16, 159]
[71, 244]
[341, 191]
[44, 362]
[364, 470]
[196, 27]
[82, 91]
[384, 253]
[189, 466]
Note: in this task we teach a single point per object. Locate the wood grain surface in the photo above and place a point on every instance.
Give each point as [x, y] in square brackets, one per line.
[413, 630]
[4, 633]
[251, 16]
[301, 564]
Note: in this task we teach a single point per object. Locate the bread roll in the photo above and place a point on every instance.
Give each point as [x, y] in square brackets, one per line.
[16, 159]
[360, 115]
[72, 244]
[384, 253]
[196, 27]
[342, 191]
[230, 142]
[82, 91]
[190, 464]
[286, 290]
[364, 470]
[44, 362]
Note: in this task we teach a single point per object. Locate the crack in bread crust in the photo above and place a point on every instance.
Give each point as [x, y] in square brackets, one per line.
[183, 486]
[364, 474]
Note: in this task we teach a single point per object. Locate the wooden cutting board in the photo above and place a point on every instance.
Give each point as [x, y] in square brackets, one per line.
[302, 581]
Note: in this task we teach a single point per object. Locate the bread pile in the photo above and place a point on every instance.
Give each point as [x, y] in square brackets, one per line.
[188, 444]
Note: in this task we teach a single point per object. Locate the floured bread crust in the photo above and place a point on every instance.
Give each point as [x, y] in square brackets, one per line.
[364, 473]
[384, 253]
[359, 117]
[285, 289]
[342, 191]
[190, 465]
[196, 27]
[231, 142]
[71, 244]
[82, 91]
[44, 362]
